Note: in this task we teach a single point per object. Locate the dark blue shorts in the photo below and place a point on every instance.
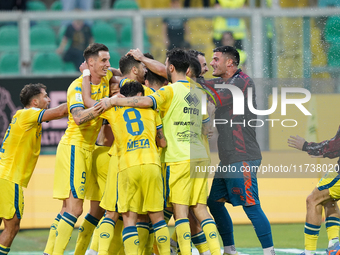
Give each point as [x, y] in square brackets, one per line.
[237, 183]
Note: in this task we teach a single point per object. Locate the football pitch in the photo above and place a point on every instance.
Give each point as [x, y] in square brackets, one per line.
[288, 239]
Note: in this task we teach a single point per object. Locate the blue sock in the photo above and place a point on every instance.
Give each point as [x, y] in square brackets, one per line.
[223, 221]
[260, 224]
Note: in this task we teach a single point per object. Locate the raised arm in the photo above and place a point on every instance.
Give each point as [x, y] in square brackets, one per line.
[153, 65]
[80, 115]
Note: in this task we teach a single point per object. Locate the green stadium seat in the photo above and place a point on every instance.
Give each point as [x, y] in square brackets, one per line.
[57, 6]
[333, 55]
[47, 62]
[105, 34]
[114, 59]
[9, 63]
[68, 67]
[42, 37]
[126, 37]
[35, 6]
[332, 30]
[328, 3]
[9, 38]
[126, 4]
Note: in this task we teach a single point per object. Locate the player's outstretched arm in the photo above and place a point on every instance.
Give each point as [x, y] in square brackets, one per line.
[55, 113]
[160, 138]
[296, 142]
[80, 115]
[139, 102]
[153, 65]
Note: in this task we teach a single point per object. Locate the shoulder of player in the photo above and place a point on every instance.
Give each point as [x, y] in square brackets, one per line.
[76, 85]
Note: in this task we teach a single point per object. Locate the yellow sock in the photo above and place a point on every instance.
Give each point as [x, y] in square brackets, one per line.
[210, 231]
[174, 236]
[130, 240]
[95, 237]
[117, 243]
[149, 245]
[63, 234]
[4, 250]
[143, 235]
[332, 227]
[311, 236]
[51, 236]
[84, 235]
[183, 235]
[200, 242]
[106, 233]
[162, 237]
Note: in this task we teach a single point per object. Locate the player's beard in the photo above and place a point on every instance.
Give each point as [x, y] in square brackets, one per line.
[169, 75]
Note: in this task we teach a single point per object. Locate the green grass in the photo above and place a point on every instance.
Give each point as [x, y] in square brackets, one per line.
[284, 236]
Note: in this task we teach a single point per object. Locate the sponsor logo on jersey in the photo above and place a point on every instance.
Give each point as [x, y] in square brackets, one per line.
[138, 144]
[77, 88]
[187, 134]
[191, 110]
[184, 123]
[81, 190]
[191, 99]
[54, 226]
[79, 97]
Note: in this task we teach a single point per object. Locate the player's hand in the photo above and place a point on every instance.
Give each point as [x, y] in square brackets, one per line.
[296, 142]
[104, 104]
[83, 66]
[99, 107]
[137, 54]
[210, 134]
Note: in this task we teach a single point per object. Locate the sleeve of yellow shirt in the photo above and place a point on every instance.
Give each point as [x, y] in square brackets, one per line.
[162, 98]
[74, 95]
[31, 116]
[159, 124]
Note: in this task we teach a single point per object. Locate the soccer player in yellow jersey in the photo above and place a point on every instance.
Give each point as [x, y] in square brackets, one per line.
[180, 108]
[140, 187]
[19, 154]
[74, 153]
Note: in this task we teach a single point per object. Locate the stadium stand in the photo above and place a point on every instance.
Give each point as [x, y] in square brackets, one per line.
[47, 62]
[9, 63]
[125, 4]
[106, 34]
[42, 37]
[9, 38]
[114, 58]
[56, 6]
[36, 6]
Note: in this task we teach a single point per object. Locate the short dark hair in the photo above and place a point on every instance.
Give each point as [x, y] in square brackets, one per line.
[93, 50]
[196, 53]
[151, 76]
[231, 52]
[131, 89]
[29, 92]
[195, 66]
[126, 63]
[179, 58]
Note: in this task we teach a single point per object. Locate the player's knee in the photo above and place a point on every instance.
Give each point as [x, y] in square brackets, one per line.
[214, 205]
[310, 200]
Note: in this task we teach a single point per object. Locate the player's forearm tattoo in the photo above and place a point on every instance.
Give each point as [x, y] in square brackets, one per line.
[160, 134]
[76, 112]
[86, 118]
[133, 101]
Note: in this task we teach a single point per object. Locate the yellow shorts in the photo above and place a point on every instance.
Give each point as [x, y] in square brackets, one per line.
[140, 189]
[331, 181]
[100, 166]
[183, 189]
[72, 171]
[11, 200]
[109, 199]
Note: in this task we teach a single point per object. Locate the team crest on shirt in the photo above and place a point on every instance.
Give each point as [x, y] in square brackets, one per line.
[187, 236]
[81, 190]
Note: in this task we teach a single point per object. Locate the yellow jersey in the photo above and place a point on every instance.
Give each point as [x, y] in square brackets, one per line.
[181, 112]
[84, 135]
[21, 146]
[147, 91]
[135, 132]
